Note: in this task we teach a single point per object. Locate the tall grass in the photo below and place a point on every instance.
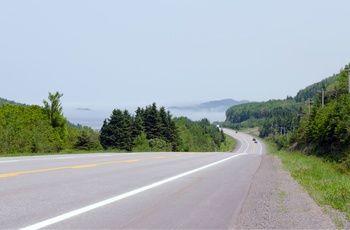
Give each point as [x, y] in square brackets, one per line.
[325, 183]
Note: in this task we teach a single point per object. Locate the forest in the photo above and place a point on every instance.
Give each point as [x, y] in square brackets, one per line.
[153, 129]
[43, 129]
[315, 121]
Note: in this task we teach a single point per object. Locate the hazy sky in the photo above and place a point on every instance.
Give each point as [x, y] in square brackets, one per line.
[126, 52]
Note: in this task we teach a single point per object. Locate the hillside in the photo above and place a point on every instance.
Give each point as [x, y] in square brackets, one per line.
[5, 101]
[217, 105]
[312, 91]
[281, 116]
[273, 113]
[320, 128]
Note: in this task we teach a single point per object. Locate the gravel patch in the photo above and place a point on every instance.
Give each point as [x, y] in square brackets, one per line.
[277, 201]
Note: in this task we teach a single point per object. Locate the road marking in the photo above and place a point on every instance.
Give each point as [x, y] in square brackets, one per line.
[244, 138]
[9, 161]
[261, 147]
[54, 157]
[254, 147]
[63, 158]
[120, 197]
[12, 174]
[4, 175]
[246, 150]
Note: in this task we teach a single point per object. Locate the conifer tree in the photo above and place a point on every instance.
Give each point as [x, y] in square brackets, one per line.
[152, 122]
[138, 121]
[113, 131]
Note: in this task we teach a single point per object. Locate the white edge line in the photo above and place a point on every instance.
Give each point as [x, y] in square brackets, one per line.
[9, 161]
[63, 158]
[240, 147]
[261, 148]
[119, 197]
[246, 150]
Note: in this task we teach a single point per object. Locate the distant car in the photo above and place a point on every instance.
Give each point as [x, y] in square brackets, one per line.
[255, 142]
[236, 132]
[254, 139]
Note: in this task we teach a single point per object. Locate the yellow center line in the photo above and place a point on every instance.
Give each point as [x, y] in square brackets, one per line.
[161, 157]
[83, 166]
[254, 148]
[12, 174]
[3, 175]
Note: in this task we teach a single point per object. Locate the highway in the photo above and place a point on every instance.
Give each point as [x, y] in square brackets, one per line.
[128, 190]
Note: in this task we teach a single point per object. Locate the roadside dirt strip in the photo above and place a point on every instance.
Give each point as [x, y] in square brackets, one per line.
[277, 201]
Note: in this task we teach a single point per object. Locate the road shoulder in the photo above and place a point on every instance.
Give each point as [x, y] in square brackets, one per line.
[277, 201]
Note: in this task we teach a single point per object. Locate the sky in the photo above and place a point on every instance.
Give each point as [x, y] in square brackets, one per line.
[127, 53]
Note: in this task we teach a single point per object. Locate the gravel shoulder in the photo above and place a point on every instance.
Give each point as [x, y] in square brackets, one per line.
[277, 201]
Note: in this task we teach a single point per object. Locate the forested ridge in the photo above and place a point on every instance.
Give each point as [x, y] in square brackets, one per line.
[316, 120]
[270, 113]
[38, 129]
[5, 101]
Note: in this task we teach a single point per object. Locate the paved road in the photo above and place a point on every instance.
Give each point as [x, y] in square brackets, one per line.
[128, 191]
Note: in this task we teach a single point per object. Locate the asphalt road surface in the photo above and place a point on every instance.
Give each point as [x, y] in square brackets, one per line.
[128, 191]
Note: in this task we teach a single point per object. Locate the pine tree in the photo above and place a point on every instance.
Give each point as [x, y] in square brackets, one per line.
[114, 132]
[152, 122]
[138, 121]
[127, 131]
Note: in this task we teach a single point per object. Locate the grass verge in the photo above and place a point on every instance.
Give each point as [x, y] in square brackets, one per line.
[325, 184]
[229, 144]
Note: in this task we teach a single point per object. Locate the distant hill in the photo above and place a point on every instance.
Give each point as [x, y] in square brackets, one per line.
[5, 101]
[217, 106]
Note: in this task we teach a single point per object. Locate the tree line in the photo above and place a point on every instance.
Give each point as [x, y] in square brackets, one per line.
[315, 121]
[149, 127]
[153, 129]
[269, 115]
[44, 129]
[326, 131]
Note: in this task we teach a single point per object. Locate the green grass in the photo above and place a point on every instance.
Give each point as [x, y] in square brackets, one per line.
[229, 144]
[325, 184]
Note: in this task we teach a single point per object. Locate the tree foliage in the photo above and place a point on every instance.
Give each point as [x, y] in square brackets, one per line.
[87, 139]
[270, 116]
[313, 91]
[153, 129]
[326, 132]
[34, 129]
[26, 130]
[126, 132]
[5, 101]
[199, 136]
[53, 109]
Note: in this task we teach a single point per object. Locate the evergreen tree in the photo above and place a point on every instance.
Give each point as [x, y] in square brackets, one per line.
[113, 131]
[152, 122]
[127, 131]
[88, 140]
[138, 121]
